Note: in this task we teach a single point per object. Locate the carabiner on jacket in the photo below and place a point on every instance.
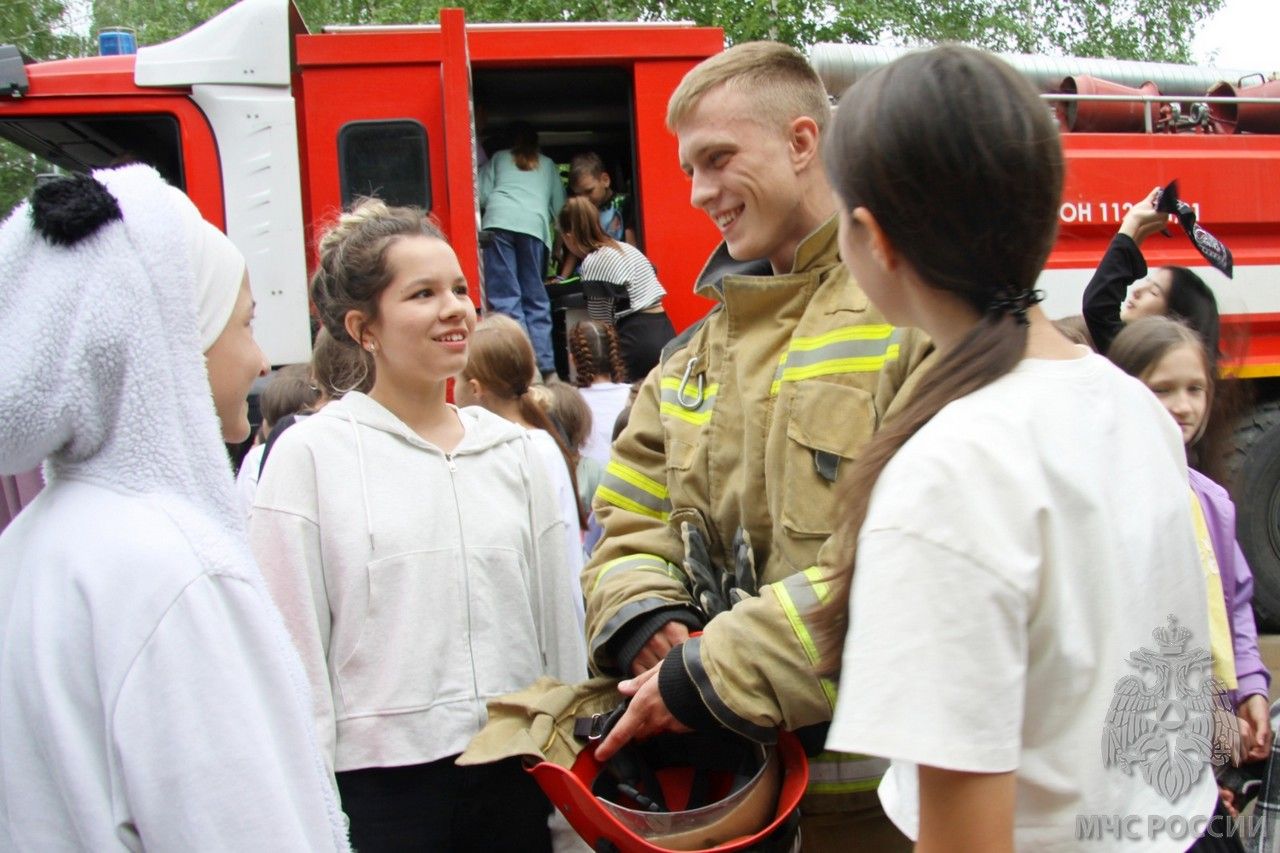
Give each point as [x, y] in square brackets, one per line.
[695, 404]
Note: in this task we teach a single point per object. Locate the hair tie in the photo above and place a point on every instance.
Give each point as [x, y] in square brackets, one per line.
[1015, 304]
[521, 390]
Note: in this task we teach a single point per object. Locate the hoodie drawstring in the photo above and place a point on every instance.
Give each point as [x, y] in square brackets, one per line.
[364, 485]
[536, 602]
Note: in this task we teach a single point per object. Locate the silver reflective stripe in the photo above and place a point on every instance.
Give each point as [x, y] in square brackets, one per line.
[839, 773]
[691, 654]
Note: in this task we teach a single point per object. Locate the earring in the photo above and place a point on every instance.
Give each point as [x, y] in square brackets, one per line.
[370, 347]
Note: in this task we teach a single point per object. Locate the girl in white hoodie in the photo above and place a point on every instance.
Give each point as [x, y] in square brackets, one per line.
[149, 696]
[415, 554]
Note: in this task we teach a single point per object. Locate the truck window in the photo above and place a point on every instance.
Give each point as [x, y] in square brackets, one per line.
[386, 160]
[81, 143]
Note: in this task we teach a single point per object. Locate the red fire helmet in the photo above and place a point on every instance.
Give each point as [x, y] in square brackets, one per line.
[703, 791]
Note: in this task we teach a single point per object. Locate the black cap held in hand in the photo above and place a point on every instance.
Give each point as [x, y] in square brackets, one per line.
[66, 210]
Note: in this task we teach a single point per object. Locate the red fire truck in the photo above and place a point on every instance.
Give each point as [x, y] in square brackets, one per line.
[272, 128]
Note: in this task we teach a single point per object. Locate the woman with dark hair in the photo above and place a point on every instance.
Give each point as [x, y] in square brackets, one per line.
[1173, 291]
[998, 590]
[520, 195]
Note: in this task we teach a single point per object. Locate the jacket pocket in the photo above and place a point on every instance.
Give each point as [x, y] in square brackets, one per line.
[828, 425]
[411, 650]
[506, 620]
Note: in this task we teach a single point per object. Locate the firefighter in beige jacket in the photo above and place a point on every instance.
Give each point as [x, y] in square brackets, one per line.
[722, 491]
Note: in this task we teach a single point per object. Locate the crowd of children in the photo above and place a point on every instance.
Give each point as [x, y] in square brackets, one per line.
[939, 558]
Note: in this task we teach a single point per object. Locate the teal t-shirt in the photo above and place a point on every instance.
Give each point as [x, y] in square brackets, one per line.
[520, 201]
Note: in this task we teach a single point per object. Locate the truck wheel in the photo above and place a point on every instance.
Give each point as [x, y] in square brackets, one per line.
[1257, 497]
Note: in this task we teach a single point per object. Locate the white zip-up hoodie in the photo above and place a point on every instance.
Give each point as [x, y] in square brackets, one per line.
[417, 584]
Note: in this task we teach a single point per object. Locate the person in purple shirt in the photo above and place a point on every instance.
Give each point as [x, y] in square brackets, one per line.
[1171, 359]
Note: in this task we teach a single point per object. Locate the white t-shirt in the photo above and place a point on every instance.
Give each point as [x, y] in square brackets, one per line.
[247, 478]
[606, 400]
[1017, 550]
[567, 500]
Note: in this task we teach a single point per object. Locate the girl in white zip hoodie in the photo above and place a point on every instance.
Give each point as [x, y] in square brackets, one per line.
[415, 554]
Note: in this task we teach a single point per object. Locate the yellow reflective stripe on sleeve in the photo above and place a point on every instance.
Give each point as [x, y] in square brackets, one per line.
[635, 478]
[820, 588]
[636, 563]
[675, 410]
[608, 495]
[830, 689]
[626, 488]
[797, 623]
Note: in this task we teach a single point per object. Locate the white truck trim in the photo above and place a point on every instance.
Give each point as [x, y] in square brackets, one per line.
[238, 67]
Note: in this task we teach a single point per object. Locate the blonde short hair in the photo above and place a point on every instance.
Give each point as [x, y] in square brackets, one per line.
[782, 84]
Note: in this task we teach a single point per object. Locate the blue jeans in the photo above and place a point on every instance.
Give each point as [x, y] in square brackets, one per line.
[513, 268]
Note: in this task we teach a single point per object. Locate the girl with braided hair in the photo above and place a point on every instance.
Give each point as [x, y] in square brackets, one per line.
[599, 373]
[415, 552]
[1022, 525]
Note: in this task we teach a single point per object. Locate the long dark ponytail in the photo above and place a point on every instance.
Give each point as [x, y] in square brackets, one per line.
[958, 161]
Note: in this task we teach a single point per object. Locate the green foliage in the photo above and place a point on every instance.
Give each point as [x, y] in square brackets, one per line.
[1124, 29]
[1146, 30]
[154, 22]
[42, 29]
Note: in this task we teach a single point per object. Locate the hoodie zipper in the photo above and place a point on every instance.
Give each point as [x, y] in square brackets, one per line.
[466, 583]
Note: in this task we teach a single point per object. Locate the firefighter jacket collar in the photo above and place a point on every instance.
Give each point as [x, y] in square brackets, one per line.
[813, 253]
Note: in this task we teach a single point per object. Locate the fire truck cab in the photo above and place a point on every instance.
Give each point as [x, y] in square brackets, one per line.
[272, 129]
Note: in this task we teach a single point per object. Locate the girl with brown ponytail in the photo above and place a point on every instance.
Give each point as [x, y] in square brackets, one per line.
[601, 376]
[415, 552]
[1018, 532]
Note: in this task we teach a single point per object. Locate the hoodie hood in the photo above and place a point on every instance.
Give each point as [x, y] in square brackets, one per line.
[483, 428]
[482, 431]
[104, 376]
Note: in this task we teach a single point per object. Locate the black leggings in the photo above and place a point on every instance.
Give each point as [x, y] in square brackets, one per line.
[446, 808]
[642, 337]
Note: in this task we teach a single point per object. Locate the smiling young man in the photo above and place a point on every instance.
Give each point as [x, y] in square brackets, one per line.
[722, 491]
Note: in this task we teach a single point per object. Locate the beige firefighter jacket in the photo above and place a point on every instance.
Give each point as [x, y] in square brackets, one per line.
[752, 421]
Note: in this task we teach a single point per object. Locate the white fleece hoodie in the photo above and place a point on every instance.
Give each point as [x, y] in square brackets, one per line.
[417, 585]
[149, 697]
